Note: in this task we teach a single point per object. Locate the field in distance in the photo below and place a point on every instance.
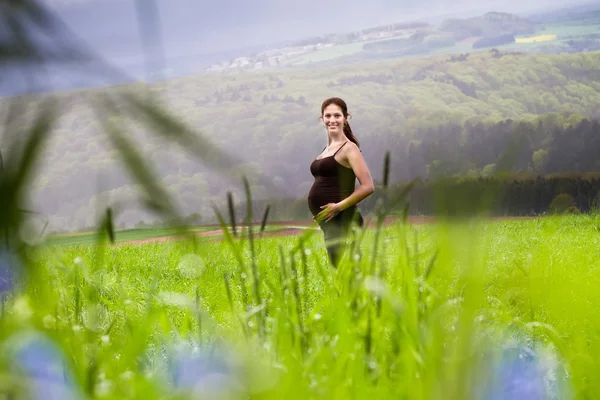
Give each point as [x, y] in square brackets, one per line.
[139, 236]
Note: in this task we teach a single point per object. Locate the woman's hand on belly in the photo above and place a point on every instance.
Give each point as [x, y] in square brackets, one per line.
[330, 210]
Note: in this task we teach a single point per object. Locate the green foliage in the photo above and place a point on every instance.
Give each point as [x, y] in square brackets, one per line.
[488, 170]
[563, 203]
[540, 160]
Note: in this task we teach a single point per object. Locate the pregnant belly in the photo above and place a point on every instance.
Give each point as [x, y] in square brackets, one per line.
[323, 192]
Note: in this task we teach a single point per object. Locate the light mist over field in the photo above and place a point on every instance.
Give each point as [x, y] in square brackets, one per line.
[443, 87]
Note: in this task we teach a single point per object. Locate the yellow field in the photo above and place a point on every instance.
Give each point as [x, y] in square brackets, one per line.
[533, 39]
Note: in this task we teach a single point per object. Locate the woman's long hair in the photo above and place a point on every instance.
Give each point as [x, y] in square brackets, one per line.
[341, 104]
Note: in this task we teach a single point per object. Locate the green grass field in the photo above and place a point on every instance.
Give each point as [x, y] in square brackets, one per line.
[427, 320]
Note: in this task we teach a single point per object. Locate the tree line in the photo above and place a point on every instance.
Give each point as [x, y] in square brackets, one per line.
[499, 195]
[502, 195]
[511, 168]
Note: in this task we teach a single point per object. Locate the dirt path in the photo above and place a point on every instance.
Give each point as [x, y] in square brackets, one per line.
[293, 228]
[216, 234]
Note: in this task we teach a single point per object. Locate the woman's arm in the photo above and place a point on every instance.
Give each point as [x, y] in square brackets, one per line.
[366, 187]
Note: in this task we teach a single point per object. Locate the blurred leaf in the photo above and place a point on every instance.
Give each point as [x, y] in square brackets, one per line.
[150, 112]
[142, 171]
[19, 166]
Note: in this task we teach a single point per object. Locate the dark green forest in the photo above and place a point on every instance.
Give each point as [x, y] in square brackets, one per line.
[445, 115]
[510, 168]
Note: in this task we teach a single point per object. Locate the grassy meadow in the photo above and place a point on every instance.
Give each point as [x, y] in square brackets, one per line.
[428, 311]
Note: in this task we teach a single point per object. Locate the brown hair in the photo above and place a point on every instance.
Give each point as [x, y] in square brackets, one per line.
[341, 104]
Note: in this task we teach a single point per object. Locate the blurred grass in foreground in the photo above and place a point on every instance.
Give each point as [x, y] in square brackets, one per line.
[455, 297]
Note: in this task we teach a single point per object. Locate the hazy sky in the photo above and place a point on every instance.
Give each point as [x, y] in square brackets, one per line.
[207, 26]
[191, 30]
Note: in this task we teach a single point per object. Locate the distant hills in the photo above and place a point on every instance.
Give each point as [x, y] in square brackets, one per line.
[488, 25]
[414, 38]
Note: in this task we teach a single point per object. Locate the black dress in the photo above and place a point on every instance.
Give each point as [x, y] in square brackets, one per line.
[333, 183]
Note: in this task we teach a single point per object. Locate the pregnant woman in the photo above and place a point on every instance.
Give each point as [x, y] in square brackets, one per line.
[333, 197]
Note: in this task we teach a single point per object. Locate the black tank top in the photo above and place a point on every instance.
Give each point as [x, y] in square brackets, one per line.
[333, 182]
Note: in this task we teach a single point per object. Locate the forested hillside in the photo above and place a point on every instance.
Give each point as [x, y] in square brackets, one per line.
[437, 115]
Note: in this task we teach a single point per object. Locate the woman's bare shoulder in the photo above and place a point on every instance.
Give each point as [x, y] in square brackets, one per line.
[351, 150]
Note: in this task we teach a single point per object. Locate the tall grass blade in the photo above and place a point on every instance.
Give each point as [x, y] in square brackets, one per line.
[386, 170]
[369, 338]
[255, 273]
[198, 313]
[298, 302]
[283, 278]
[238, 255]
[110, 229]
[232, 306]
[263, 223]
[380, 214]
[304, 268]
[430, 265]
[231, 208]
[228, 290]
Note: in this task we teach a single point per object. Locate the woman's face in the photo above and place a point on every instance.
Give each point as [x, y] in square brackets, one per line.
[333, 119]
